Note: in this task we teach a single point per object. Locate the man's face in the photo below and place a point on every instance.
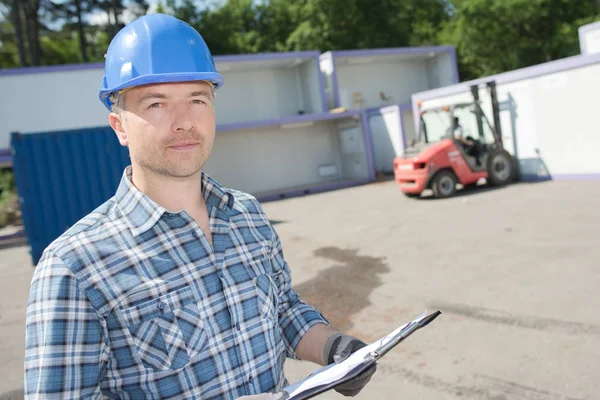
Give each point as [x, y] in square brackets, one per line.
[168, 127]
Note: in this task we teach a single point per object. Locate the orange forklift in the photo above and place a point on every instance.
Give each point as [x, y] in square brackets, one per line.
[438, 160]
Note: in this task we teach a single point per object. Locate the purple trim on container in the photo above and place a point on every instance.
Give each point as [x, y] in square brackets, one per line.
[287, 120]
[313, 190]
[576, 177]
[583, 29]
[551, 67]
[374, 111]
[50, 68]
[454, 61]
[404, 107]
[267, 56]
[391, 50]
[368, 144]
[324, 107]
[225, 58]
[6, 158]
[377, 110]
[560, 177]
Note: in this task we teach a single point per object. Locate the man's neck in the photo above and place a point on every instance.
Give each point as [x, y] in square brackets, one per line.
[174, 194]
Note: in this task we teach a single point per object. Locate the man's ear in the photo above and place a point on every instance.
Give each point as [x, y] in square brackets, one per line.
[116, 122]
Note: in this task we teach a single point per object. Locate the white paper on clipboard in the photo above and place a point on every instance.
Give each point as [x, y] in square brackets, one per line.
[332, 373]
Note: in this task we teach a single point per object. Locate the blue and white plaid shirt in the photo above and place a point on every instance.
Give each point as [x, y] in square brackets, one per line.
[132, 302]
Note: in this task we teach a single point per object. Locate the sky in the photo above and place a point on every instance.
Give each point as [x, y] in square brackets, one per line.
[100, 17]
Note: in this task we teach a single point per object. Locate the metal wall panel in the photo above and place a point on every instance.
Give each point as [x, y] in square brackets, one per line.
[386, 132]
[61, 176]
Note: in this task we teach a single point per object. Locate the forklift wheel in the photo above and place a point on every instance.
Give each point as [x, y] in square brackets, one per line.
[443, 184]
[501, 167]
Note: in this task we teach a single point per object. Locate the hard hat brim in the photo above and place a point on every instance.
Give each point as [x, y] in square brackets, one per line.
[215, 78]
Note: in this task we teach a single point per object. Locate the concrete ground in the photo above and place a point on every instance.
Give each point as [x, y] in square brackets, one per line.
[515, 272]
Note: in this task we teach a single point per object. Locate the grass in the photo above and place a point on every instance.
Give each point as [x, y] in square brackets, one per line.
[9, 203]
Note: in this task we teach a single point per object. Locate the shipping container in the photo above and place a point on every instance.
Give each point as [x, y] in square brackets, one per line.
[589, 38]
[296, 155]
[269, 85]
[63, 175]
[257, 87]
[392, 130]
[548, 115]
[377, 78]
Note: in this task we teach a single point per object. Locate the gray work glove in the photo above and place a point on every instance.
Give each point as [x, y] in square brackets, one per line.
[283, 395]
[338, 347]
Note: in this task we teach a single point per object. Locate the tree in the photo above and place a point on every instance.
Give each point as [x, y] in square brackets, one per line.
[73, 12]
[493, 37]
[16, 17]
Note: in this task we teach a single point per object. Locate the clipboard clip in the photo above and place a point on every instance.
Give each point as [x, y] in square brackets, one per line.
[409, 329]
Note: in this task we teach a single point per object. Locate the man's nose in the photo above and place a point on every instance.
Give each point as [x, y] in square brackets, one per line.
[182, 120]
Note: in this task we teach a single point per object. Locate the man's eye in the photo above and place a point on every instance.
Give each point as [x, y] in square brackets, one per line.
[154, 105]
[198, 101]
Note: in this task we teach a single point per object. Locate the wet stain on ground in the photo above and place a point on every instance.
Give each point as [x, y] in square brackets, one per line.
[343, 290]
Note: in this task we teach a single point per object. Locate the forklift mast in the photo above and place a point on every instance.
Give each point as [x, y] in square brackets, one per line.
[495, 110]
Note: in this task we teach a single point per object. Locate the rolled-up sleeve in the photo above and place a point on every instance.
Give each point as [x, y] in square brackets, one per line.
[63, 342]
[296, 317]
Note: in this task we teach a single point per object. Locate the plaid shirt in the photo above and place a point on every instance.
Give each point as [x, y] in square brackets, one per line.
[132, 302]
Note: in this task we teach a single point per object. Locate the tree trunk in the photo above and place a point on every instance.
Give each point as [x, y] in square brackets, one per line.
[81, 32]
[32, 28]
[16, 9]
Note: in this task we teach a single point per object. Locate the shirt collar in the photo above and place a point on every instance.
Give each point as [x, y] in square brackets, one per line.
[142, 213]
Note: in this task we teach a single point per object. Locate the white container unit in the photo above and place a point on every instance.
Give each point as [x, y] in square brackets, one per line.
[392, 131]
[257, 87]
[293, 156]
[378, 78]
[269, 85]
[41, 99]
[589, 38]
[548, 115]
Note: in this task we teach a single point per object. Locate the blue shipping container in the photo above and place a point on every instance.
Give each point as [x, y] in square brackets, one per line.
[61, 176]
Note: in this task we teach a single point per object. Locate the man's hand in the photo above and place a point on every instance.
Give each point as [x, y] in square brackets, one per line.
[339, 347]
[283, 395]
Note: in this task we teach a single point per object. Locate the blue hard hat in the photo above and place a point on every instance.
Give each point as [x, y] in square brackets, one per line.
[156, 48]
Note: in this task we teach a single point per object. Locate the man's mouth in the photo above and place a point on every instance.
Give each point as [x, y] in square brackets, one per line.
[184, 146]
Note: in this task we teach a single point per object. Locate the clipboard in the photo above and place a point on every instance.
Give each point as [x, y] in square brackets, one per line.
[310, 387]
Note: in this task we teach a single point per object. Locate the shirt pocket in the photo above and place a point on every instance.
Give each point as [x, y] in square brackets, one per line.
[167, 331]
[267, 291]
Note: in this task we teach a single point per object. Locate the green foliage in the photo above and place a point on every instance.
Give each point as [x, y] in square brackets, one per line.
[7, 197]
[490, 36]
[497, 36]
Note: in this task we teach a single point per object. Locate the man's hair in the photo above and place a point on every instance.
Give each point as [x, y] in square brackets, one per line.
[118, 106]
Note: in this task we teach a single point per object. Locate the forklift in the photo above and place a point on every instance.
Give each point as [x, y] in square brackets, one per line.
[438, 160]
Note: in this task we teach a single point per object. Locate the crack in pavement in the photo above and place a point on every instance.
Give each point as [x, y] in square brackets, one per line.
[521, 321]
[487, 389]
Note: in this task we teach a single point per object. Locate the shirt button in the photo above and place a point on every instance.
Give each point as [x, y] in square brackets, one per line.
[161, 305]
[237, 326]
[251, 380]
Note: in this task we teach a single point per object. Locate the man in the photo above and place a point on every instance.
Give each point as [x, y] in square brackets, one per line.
[176, 286]
[470, 145]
